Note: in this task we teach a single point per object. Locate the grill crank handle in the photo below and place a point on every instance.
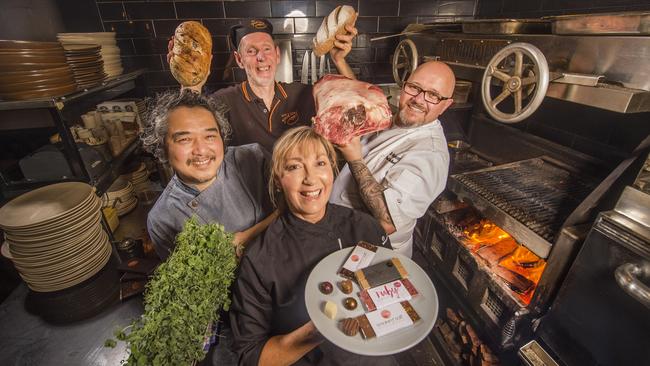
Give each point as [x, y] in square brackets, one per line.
[628, 278]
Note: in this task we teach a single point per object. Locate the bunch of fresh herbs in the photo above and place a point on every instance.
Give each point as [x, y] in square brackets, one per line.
[183, 298]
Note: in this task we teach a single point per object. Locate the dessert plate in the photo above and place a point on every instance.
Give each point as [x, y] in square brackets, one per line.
[425, 304]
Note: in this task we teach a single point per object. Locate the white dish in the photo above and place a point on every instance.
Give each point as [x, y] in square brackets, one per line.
[425, 304]
[44, 205]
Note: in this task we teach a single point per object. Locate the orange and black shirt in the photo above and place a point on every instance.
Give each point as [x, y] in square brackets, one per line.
[252, 121]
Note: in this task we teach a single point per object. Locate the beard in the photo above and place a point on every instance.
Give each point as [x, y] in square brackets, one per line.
[404, 120]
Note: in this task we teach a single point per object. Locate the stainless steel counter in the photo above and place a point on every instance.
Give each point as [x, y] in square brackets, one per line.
[26, 340]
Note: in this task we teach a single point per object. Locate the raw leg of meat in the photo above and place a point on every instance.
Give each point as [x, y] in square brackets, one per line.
[346, 108]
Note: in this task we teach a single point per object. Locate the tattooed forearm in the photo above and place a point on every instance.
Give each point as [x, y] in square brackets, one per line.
[372, 194]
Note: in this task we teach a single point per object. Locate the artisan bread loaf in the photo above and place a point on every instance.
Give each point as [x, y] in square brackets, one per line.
[190, 61]
[332, 25]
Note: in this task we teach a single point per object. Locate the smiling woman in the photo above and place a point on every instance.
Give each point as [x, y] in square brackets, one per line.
[303, 171]
[270, 322]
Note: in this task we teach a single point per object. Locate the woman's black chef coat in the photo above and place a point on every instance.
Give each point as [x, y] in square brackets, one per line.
[268, 297]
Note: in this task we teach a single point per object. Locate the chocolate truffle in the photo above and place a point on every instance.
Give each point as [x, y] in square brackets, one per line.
[346, 286]
[326, 287]
[350, 326]
[350, 303]
[330, 309]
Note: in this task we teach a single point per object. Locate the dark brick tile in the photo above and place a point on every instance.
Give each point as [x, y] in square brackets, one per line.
[367, 24]
[160, 79]
[150, 10]
[378, 7]
[126, 47]
[457, 8]
[166, 28]
[567, 5]
[384, 54]
[414, 7]
[282, 25]
[123, 29]
[151, 46]
[151, 62]
[359, 55]
[220, 44]
[308, 25]
[323, 8]
[247, 9]
[488, 8]
[383, 43]
[293, 8]
[220, 27]
[519, 6]
[112, 11]
[199, 9]
[395, 24]
[221, 60]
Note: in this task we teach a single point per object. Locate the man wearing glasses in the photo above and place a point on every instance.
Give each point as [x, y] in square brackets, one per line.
[396, 174]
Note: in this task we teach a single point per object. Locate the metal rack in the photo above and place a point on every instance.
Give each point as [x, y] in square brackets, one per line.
[60, 109]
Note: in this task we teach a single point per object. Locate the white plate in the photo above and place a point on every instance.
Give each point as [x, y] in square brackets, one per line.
[44, 205]
[426, 305]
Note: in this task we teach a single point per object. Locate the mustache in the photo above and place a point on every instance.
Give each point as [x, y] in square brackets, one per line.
[414, 103]
[197, 159]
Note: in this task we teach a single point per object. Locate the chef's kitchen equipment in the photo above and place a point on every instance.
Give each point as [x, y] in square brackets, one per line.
[600, 315]
[284, 72]
[313, 68]
[604, 71]
[527, 184]
[304, 71]
[507, 26]
[636, 23]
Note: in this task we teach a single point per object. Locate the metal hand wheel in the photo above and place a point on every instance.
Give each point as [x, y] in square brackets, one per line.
[525, 81]
[405, 61]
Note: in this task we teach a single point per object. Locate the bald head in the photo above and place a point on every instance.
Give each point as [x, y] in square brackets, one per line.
[437, 76]
[433, 76]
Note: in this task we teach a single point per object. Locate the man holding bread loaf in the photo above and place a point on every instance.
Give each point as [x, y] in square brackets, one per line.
[261, 109]
[396, 174]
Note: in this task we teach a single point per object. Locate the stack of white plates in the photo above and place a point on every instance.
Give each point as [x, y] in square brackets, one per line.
[139, 178]
[54, 235]
[121, 196]
[109, 51]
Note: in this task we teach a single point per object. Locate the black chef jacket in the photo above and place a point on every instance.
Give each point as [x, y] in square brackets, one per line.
[252, 121]
[269, 294]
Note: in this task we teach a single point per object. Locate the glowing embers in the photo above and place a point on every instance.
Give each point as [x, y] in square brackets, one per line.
[517, 266]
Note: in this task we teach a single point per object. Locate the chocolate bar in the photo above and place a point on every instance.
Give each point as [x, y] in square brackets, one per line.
[380, 273]
[387, 320]
[360, 257]
[387, 294]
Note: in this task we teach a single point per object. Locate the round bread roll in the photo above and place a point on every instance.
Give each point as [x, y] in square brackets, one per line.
[332, 25]
[190, 61]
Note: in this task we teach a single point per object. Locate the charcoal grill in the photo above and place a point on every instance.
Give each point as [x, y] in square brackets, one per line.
[529, 199]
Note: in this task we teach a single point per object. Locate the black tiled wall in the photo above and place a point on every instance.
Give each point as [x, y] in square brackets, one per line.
[540, 8]
[144, 27]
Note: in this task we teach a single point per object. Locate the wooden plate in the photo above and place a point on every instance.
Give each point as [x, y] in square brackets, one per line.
[28, 45]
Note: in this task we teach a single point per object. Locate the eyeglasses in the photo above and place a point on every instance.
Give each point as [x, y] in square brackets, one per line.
[429, 95]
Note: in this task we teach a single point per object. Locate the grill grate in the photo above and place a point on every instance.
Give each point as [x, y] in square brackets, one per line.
[535, 192]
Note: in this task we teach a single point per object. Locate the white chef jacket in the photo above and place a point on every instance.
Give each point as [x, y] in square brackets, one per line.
[412, 164]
